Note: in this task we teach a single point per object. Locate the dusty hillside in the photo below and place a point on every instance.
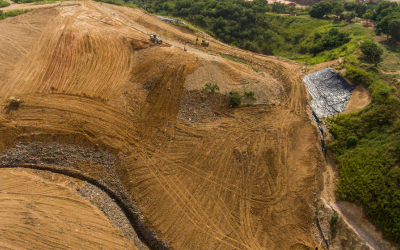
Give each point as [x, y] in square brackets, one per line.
[205, 175]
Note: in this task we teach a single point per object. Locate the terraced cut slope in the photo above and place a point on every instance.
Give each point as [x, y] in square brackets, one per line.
[204, 175]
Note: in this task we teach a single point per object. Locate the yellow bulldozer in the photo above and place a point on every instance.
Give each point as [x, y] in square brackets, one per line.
[14, 101]
[205, 43]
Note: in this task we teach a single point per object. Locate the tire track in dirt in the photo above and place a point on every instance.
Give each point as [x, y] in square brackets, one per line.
[118, 196]
[36, 208]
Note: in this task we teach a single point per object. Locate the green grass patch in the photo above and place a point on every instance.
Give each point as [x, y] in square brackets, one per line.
[234, 59]
[12, 13]
[118, 2]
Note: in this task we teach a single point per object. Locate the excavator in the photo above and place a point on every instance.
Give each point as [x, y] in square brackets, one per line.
[205, 43]
[155, 39]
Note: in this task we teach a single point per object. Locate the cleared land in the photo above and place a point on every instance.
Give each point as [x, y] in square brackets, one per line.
[42, 213]
[238, 178]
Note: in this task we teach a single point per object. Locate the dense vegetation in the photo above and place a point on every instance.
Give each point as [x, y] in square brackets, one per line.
[4, 3]
[367, 147]
[247, 25]
[367, 143]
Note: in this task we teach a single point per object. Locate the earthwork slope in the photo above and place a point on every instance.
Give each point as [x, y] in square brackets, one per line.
[204, 175]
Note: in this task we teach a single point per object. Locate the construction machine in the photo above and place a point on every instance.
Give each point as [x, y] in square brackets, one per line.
[155, 39]
[205, 43]
[14, 101]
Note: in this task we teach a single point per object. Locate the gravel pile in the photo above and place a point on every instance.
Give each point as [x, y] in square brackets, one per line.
[198, 106]
[111, 210]
[56, 154]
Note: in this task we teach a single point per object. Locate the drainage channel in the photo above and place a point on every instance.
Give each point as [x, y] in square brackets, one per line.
[320, 130]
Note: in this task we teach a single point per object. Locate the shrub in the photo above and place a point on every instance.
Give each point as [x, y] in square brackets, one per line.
[352, 141]
[248, 93]
[212, 87]
[359, 76]
[371, 51]
[3, 4]
[234, 99]
[320, 9]
[303, 49]
[333, 224]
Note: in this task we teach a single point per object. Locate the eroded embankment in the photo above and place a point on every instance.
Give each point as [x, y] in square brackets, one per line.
[83, 164]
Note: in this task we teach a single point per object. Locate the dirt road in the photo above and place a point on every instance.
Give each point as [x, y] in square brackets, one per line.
[236, 178]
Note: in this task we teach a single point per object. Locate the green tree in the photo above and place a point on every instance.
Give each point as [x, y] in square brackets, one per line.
[371, 51]
[367, 16]
[338, 10]
[350, 6]
[394, 30]
[361, 9]
[320, 9]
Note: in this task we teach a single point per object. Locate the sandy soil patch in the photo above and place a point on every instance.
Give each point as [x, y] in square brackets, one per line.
[360, 98]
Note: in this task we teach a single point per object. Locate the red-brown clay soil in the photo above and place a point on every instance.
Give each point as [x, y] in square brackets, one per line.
[242, 180]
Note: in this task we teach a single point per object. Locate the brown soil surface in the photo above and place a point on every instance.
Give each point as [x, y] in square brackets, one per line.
[236, 178]
[360, 98]
[24, 6]
[43, 213]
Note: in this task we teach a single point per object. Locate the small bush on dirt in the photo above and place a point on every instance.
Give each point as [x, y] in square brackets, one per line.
[333, 224]
[234, 99]
[212, 87]
[248, 93]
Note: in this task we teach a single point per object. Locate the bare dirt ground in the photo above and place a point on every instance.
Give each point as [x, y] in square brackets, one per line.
[43, 213]
[24, 6]
[360, 98]
[236, 178]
